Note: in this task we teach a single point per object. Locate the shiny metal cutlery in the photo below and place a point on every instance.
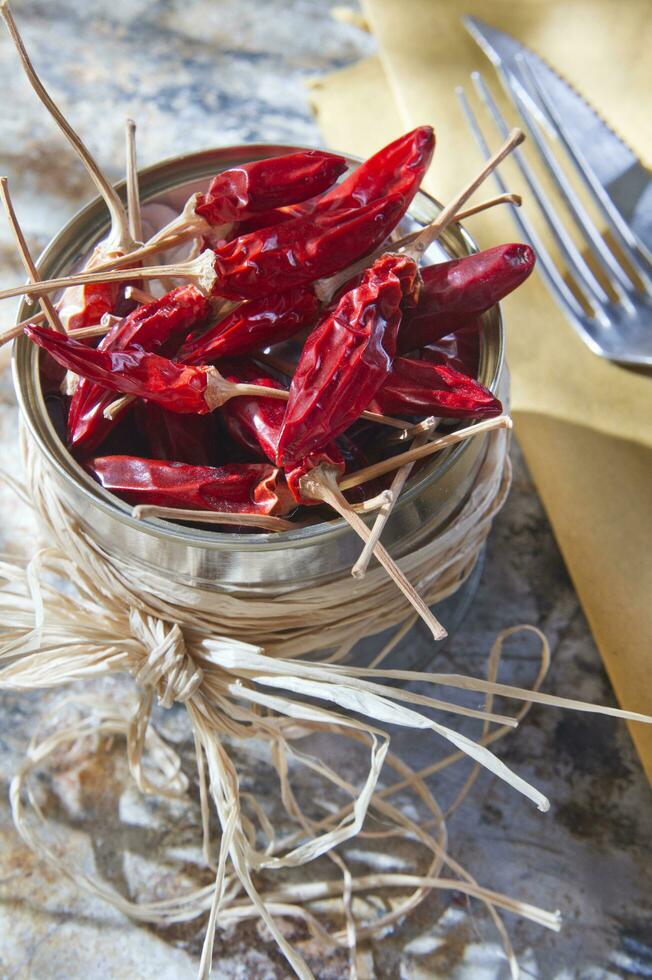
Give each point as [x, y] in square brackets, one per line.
[616, 324]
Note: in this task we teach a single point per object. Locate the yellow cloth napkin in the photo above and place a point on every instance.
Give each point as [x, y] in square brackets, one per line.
[584, 424]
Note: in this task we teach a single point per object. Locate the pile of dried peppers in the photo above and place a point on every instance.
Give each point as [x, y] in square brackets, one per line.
[398, 340]
[306, 339]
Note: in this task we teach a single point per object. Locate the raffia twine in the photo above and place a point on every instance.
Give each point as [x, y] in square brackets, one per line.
[73, 613]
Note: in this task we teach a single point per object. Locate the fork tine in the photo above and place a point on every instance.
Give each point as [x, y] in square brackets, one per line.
[627, 240]
[567, 191]
[572, 254]
[547, 267]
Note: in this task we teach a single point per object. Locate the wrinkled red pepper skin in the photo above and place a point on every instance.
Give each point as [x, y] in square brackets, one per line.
[456, 290]
[179, 387]
[178, 438]
[346, 359]
[398, 168]
[243, 191]
[255, 423]
[160, 325]
[302, 250]
[244, 488]
[422, 388]
[259, 323]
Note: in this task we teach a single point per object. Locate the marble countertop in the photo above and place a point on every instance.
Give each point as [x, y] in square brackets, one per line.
[196, 74]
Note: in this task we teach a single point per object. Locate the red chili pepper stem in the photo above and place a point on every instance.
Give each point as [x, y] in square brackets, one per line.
[187, 224]
[154, 246]
[321, 484]
[421, 428]
[326, 288]
[133, 190]
[422, 452]
[6, 336]
[268, 523]
[47, 306]
[120, 238]
[492, 202]
[430, 234]
[220, 390]
[383, 499]
[200, 269]
[401, 477]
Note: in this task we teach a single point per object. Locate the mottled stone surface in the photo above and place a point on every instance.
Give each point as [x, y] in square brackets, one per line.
[196, 74]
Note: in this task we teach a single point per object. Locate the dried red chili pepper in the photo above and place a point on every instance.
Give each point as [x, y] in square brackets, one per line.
[298, 251]
[179, 387]
[160, 325]
[398, 168]
[422, 388]
[174, 437]
[453, 291]
[346, 359]
[243, 191]
[244, 488]
[259, 323]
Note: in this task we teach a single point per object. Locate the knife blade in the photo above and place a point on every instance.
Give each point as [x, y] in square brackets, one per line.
[614, 166]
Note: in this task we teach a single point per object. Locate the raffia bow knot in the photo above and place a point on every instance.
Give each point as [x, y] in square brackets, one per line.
[168, 667]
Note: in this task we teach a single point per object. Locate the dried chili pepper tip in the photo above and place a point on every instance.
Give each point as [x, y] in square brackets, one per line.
[422, 388]
[397, 168]
[476, 282]
[262, 185]
[237, 488]
[456, 290]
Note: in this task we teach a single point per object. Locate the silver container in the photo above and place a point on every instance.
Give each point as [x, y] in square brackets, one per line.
[245, 563]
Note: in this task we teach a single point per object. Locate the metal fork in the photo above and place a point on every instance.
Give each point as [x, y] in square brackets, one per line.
[618, 326]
